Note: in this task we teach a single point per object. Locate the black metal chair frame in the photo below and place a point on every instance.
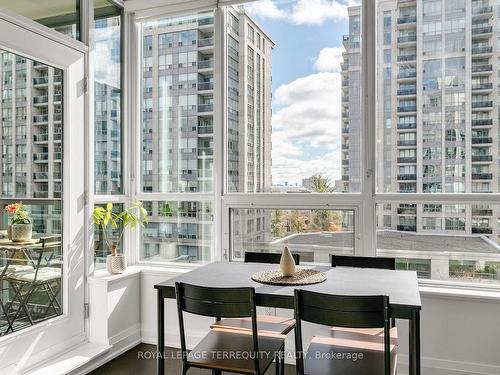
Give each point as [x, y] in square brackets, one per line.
[363, 262]
[219, 303]
[341, 311]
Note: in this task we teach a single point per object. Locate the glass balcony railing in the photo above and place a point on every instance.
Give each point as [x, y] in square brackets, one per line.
[206, 42]
[482, 104]
[407, 177]
[482, 176]
[407, 142]
[407, 160]
[482, 30]
[482, 68]
[482, 86]
[407, 39]
[482, 158]
[482, 10]
[205, 64]
[482, 122]
[205, 108]
[482, 140]
[406, 20]
[480, 50]
[407, 125]
[204, 86]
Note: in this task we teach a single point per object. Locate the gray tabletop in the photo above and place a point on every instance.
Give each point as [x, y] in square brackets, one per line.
[400, 286]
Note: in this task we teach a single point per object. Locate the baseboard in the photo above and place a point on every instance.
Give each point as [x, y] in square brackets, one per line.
[173, 339]
[437, 366]
[120, 343]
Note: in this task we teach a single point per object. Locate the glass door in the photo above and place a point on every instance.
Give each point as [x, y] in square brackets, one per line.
[42, 225]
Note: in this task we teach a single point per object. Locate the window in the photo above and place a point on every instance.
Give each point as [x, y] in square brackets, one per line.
[107, 99]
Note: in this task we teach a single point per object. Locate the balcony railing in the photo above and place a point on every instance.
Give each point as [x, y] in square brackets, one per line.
[407, 125]
[40, 118]
[480, 158]
[407, 160]
[407, 142]
[482, 122]
[41, 175]
[204, 86]
[408, 108]
[407, 19]
[205, 21]
[407, 39]
[41, 156]
[41, 99]
[482, 230]
[478, 140]
[482, 176]
[482, 86]
[482, 30]
[205, 107]
[407, 57]
[205, 130]
[482, 212]
[205, 64]
[206, 42]
[409, 74]
[40, 137]
[345, 130]
[482, 104]
[482, 68]
[205, 151]
[407, 228]
[482, 10]
[407, 177]
[41, 81]
[412, 91]
[480, 50]
[407, 211]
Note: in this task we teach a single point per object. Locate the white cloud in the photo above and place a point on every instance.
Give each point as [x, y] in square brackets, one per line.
[302, 12]
[306, 128]
[329, 60]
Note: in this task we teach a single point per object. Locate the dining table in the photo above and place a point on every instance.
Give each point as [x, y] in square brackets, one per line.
[401, 286]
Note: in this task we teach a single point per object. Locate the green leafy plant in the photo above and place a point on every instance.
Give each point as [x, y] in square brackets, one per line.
[105, 218]
[20, 214]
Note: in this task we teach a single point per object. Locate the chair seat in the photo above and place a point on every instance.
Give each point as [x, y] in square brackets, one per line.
[347, 351]
[232, 351]
[28, 275]
[265, 324]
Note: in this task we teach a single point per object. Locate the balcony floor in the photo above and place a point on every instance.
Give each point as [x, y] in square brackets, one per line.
[132, 363]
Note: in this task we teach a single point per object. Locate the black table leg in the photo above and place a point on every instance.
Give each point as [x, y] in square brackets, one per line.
[414, 362]
[160, 362]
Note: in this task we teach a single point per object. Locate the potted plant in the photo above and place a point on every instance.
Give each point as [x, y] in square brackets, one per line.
[20, 228]
[106, 219]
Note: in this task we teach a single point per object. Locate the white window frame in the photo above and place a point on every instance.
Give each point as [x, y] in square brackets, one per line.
[363, 204]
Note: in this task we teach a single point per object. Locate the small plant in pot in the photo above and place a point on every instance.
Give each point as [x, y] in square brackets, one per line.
[20, 228]
[107, 220]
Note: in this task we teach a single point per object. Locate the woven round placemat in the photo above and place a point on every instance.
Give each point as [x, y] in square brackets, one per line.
[301, 277]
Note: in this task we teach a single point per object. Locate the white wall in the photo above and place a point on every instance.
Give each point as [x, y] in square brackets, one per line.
[460, 334]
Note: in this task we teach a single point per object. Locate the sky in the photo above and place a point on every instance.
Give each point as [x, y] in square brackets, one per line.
[306, 120]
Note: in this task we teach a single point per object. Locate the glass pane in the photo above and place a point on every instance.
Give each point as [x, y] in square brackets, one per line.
[314, 234]
[178, 231]
[457, 242]
[293, 97]
[107, 100]
[437, 113]
[178, 104]
[102, 248]
[31, 163]
[60, 15]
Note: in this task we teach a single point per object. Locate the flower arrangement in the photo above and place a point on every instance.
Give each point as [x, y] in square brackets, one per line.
[19, 213]
[20, 228]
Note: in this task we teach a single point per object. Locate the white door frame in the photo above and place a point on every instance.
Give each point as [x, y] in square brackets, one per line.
[24, 349]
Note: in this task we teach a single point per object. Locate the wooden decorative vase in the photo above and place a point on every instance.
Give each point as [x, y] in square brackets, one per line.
[287, 264]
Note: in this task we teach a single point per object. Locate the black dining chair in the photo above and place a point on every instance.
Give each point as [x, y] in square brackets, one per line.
[265, 323]
[222, 349]
[273, 258]
[358, 339]
[363, 262]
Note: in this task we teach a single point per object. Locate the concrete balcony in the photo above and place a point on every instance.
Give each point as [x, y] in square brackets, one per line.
[407, 160]
[407, 39]
[407, 228]
[407, 126]
[206, 64]
[40, 81]
[482, 11]
[482, 158]
[407, 20]
[482, 50]
[206, 42]
[407, 75]
[407, 142]
[482, 140]
[482, 104]
[482, 230]
[482, 122]
[205, 86]
[482, 86]
[206, 21]
[407, 211]
[407, 177]
[482, 30]
[41, 100]
[482, 68]
[482, 212]
[407, 108]
[40, 119]
[203, 108]
[41, 156]
[407, 92]
[482, 176]
[407, 58]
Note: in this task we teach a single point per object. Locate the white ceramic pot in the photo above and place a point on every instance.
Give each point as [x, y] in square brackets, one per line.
[116, 264]
[287, 264]
[21, 232]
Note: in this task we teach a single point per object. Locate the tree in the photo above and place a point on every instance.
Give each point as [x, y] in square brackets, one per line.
[277, 224]
[321, 184]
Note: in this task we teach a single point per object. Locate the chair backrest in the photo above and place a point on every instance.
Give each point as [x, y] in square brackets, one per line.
[217, 303]
[363, 262]
[273, 258]
[341, 311]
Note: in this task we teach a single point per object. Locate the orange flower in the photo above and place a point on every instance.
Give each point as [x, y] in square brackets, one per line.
[12, 208]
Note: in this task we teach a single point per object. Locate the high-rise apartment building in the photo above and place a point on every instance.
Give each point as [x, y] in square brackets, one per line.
[178, 125]
[351, 105]
[31, 140]
[437, 111]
